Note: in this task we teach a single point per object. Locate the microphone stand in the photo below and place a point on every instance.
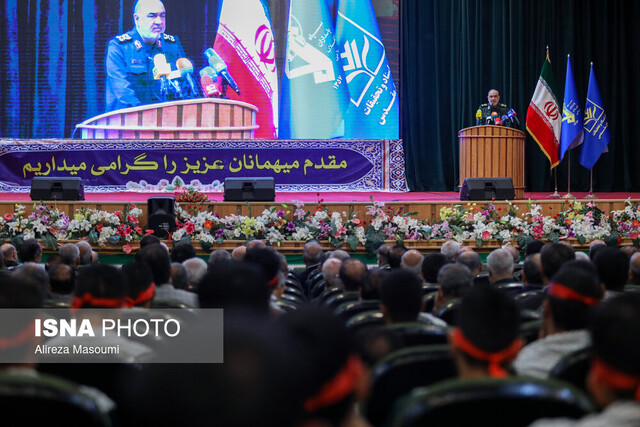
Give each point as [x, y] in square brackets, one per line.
[223, 95]
[569, 195]
[591, 195]
[555, 194]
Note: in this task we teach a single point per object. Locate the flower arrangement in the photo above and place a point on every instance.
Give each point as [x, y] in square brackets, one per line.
[278, 224]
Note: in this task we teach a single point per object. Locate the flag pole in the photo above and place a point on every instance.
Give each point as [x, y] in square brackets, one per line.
[569, 195]
[555, 194]
[591, 195]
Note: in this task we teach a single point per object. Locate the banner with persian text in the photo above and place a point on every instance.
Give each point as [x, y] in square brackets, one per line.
[157, 166]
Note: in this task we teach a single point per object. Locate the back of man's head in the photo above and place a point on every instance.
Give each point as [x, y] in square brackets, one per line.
[450, 250]
[472, 260]
[157, 258]
[500, 265]
[572, 293]
[552, 256]
[401, 296]
[382, 254]
[240, 285]
[61, 279]
[352, 274]
[595, 246]
[312, 253]
[9, 251]
[412, 261]
[531, 270]
[179, 276]
[30, 251]
[182, 252]
[197, 268]
[33, 273]
[615, 334]
[488, 323]
[431, 265]
[533, 247]
[331, 272]
[85, 252]
[634, 269]
[100, 286]
[395, 255]
[613, 268]
[268, 260]
[219, 256]
[140, 286]
[149, 239]
[70, 254]
[339, 254]
[455, 280]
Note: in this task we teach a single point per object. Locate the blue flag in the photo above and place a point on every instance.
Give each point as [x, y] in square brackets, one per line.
[314, 96]
[373, 110]
[596, 127]
[572, 133]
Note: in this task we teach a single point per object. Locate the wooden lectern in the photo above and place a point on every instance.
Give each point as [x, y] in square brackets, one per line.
[493, 151]
[204, 118]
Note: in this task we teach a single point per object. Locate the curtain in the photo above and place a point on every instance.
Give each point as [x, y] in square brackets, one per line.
[454, 51]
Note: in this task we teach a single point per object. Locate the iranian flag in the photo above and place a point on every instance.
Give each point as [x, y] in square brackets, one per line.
[544, 117]
[245, 43]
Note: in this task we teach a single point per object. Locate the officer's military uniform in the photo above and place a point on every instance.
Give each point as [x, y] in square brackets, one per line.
[129, 67]
[501, 109]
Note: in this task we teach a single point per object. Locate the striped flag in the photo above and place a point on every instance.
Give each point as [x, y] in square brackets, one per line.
[314, 96]
[572, 133]
[245, 42]
[596, 126]
[544, 120]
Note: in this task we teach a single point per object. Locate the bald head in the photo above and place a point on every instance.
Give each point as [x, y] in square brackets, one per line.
[499, 265]
[331, 272]
[256, 244]
[239, 252]
[412, 261]
[312, 253]
[472, 260]
[634, 269]
[9, 252]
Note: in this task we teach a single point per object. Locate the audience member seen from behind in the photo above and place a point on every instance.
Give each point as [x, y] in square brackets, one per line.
[454, 281]
[10, 255]
[500, 267]
[395, 255]
[70, 254]
[61, 282]
[180, 276]
[182, 252]
[571, 296]
[487, 337]
[552, 256]
[140, 286]
[450, 250]
[634, 269]
[196, 268]
[412, 261]
[614, 377]
[86, 252]
[30, 251]
[472, 260]
[532, 272]
[431, 265]
[382, 255]
[613, 269]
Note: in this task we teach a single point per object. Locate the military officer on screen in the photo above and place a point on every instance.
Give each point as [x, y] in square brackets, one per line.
[495, 113]
[131, 59]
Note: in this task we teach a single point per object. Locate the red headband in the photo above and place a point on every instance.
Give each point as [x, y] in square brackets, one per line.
[79, 302]
[495, 359]
[274, 281]
[143, 296]
[614, 378]
[560, 291]
[337, 388]
[21, 337]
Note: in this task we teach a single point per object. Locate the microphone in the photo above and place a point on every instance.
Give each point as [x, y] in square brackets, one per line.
[514, 117]
[209, 88]
[160, 72]
[494, 117]
[208, 71]
[478, 117]
[221, 68]
[504, 119]
[186, 70]
[498, 121]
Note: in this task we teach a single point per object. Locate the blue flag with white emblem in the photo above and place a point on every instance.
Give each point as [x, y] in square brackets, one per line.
[596, 127]
[373, 110]
[572, 132]
[314, 95]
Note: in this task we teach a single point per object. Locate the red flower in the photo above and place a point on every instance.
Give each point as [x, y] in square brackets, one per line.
[127, 249]
[127, 231]
[190, 228]
[8, 217]
[486, 235]
[208, 225]
[147, 232]
[355, 221]
[99, 228]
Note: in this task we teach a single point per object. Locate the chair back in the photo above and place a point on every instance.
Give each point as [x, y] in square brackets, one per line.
[515, 402]
[400, 372]
[364, 321]
[529, 300]
[336, 300]
[418, 333]
[574, 368]
[45, 400]
[449, 311]
[348, 309]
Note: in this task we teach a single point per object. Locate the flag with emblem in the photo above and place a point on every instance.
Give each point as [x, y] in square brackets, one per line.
[373, 110]
[596, 126]
[245, 43]
[572, 133]
[314, 95]
[544, 120]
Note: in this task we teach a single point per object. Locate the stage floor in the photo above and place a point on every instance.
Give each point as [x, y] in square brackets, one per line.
[329, 197]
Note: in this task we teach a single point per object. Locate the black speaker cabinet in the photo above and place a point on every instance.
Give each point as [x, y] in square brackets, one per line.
[161, 215]
[49, 188]
[249, 189]
[487, 189]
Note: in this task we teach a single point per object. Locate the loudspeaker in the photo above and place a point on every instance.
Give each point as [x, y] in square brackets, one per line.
[249, 189]
[49, 188]
[500, 188]
[160, 215]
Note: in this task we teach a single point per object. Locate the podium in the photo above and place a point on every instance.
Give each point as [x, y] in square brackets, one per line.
[204, 118]
[493, 151]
